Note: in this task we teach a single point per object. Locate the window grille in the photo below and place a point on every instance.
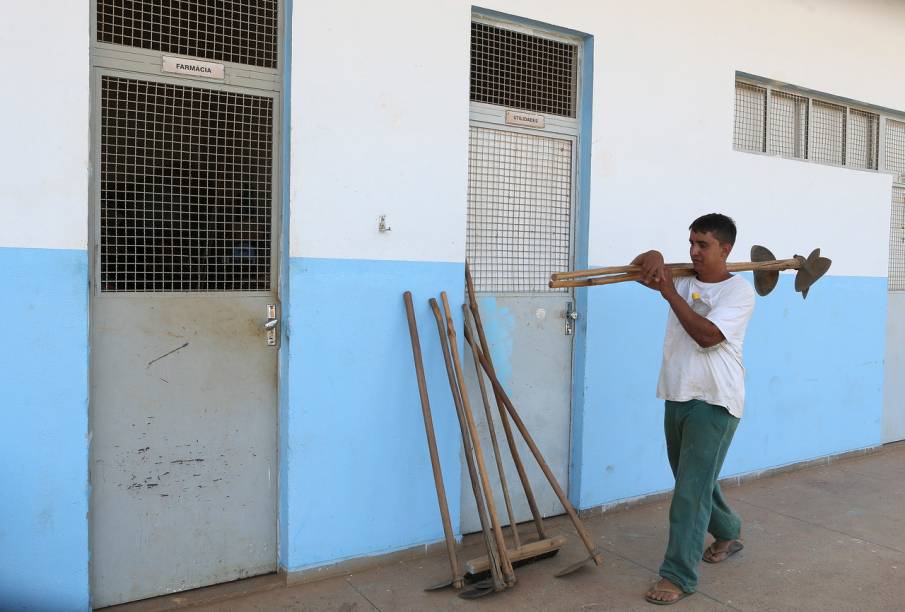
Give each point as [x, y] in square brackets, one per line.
[186, 188]
[829, 132]
[750, 117]
[895, 149]
[519, 210]
[803, 127]
[522, 71]
[240, 31]
[863, 139]
[788, 125]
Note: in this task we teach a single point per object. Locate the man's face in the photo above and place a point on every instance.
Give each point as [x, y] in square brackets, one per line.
[707, 254]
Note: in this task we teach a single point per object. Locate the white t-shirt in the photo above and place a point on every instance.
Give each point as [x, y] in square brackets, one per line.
[716, 374]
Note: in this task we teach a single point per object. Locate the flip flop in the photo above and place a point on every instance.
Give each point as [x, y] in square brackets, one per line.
[679, 597]
[734, 547]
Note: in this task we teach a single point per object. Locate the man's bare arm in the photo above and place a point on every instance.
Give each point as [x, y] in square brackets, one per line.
[701, 329]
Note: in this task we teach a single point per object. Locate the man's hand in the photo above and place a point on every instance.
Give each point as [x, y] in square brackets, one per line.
[664, 284]
[652, 268]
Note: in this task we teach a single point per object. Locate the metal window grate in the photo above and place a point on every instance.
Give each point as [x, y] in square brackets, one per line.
[828, 125]
[519, 210]
[750, 117]
[186, 188]
[895, 149]
[788, 125]
[240, 31]
[897, 240]
[863, 139]
[522, 71]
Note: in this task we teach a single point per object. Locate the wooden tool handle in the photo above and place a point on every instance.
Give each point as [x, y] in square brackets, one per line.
[633, 274]
[488, 415]
[489, 542]
[505, 563]
[557, 276]
[520, 553]
[448, 534]
[504, 419]
[551, 478]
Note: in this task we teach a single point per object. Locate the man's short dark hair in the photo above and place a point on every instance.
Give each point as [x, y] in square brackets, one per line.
[721, 226]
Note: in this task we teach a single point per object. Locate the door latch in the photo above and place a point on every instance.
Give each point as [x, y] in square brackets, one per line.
[571, 316]
[270, 327]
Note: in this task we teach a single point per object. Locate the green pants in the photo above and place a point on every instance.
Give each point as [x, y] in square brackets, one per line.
[697, 438]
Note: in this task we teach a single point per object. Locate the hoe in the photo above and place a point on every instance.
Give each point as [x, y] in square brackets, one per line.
[765, 266]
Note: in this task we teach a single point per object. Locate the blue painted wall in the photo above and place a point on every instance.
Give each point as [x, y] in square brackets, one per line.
[44, 455]
[814, 384]
[356, 471]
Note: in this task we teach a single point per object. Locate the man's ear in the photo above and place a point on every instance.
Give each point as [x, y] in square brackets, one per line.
[725, 249]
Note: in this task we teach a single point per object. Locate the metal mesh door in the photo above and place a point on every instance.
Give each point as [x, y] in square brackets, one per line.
[895, 162]
[186, 188]
[897, 240]
[519, 210]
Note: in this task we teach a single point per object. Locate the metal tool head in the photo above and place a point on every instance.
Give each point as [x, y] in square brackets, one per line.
[458, 584]
[812, 268]
[569, 569]
[764, 280]
[479, 589]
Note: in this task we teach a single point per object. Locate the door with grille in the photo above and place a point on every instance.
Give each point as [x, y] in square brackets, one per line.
[894, 364]
[520, 227]
[184, 282]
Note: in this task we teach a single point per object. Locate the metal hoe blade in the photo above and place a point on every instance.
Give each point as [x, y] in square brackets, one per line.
[444, 585]
[569, 569]
[764, 280]
[810, 272]
[479, 589]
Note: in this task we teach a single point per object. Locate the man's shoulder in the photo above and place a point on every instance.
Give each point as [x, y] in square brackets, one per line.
[740, 289]
[740, 283]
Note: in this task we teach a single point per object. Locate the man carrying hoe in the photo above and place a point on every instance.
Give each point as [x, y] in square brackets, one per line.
[703, 382]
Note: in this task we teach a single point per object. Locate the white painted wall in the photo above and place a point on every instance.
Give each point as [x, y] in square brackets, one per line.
[380, 114]
[663, 120]
[44, 145]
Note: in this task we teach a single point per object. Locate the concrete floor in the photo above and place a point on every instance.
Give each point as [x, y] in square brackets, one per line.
[823, 538]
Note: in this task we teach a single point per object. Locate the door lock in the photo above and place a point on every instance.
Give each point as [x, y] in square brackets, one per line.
[270, 327]
[571, 315]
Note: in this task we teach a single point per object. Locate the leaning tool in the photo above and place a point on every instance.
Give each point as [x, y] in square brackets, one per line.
[456, 579]
[524, 554]
[505, 564]
[765, 266]
[491, 430]
[594, 554]
[497, 583]
[507, 428]
[520, 554]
